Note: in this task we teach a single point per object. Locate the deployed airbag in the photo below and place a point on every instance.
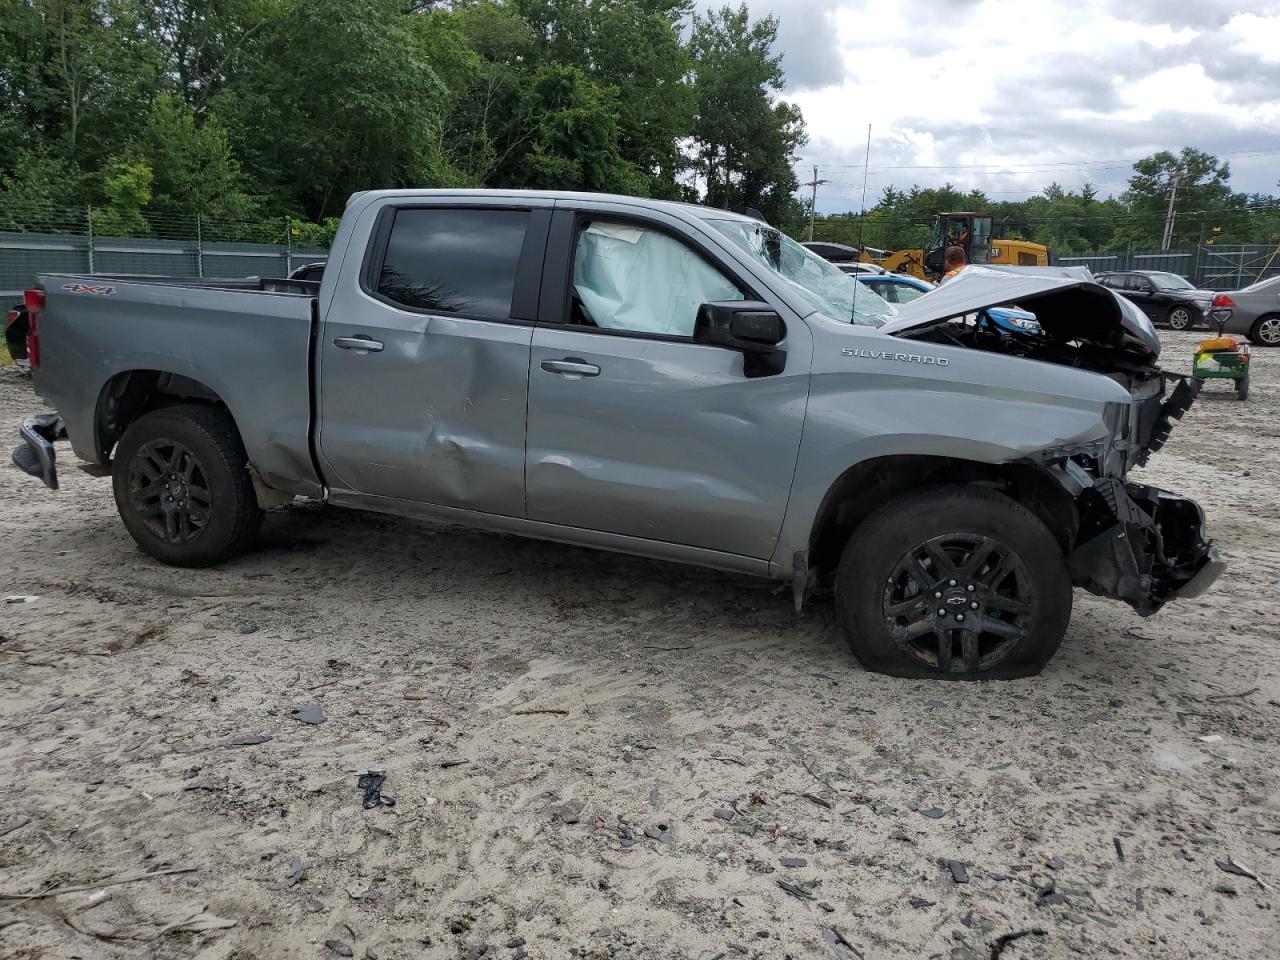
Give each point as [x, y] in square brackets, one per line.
[633, 278]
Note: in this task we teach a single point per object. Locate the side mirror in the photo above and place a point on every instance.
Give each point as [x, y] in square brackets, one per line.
[754, 329]
[739, 325]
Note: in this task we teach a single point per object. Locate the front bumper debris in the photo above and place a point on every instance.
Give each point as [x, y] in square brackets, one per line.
[1145, 546]
[35, 455]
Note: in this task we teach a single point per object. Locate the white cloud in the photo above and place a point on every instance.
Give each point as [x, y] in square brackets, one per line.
[1006, 95]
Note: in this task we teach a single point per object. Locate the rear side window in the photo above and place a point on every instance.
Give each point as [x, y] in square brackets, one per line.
[454, 261]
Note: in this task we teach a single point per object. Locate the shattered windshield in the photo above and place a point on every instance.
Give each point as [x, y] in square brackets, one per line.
[822, 285]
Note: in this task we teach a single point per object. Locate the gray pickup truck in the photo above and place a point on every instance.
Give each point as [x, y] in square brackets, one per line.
[652, 378]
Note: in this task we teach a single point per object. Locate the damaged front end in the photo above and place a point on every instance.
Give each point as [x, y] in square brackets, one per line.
[1142, 545]
[1135, 542]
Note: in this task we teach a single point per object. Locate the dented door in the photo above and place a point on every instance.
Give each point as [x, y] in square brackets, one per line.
[424, 359]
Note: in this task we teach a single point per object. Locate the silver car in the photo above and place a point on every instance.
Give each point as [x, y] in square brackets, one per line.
[1255, 312]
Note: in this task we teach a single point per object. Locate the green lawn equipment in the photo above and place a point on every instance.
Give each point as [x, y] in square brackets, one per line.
[1222, 357]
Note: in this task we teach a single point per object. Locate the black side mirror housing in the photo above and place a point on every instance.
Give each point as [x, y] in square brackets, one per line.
[754, 329]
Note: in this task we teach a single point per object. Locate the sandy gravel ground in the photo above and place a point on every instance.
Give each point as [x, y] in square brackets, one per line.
[595, 756]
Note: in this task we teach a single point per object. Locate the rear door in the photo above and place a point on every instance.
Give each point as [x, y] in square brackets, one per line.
[424, 362]
[634, 428]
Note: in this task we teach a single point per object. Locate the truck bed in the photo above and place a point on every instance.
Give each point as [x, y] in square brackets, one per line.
[248, 341]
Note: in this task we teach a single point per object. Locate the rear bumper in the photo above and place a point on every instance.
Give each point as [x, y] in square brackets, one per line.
[35, 455]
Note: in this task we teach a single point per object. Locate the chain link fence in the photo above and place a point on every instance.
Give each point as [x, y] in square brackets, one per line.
[72, 240]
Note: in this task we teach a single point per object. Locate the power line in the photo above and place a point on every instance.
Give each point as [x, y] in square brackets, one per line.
[1039, 166]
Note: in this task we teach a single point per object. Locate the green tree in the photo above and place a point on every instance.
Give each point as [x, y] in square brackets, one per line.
[91, 70]
[195, 172]
[199, 40]
[126, 185]
[744, 142]
[1203, 195]
[481, 122]
[574, 140]
[38, 193]
[333, 97]
[633, 47]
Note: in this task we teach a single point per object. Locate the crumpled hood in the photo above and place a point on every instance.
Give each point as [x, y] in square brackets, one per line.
[1067, 301]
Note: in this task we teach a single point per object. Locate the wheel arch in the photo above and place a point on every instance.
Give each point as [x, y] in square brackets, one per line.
[131, 393]
[867, 485]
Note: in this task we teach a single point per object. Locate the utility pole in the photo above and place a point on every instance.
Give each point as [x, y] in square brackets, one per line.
[813, 199]
[1169, 216]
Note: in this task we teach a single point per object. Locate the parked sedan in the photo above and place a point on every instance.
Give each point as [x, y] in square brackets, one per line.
[1255, 312]
[1164, 297]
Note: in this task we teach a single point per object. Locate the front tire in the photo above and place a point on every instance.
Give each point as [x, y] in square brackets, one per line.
[182, 486]
[953, 583]
[1242, 388]
[1180, 317]
[1266, 331]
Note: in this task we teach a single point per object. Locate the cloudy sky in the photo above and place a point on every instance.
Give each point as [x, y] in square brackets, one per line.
[1008, 95]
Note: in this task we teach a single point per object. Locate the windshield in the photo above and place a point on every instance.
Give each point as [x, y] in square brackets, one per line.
[821, 284]
[1169, 281]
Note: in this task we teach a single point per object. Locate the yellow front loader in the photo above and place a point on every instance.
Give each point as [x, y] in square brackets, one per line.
[972, 231]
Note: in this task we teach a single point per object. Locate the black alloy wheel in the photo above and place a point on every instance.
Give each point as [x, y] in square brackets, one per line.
[169, 491]
[959, 603]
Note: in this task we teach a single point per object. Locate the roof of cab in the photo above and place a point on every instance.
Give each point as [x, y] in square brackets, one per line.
[673, 206]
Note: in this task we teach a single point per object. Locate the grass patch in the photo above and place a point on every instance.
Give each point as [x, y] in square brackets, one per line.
[5, 359]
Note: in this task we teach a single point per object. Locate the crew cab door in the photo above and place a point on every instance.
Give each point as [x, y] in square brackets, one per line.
[634, 428]
[424, 355]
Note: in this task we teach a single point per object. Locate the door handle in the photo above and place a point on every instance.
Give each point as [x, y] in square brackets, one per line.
[571, 367]
[361, 344]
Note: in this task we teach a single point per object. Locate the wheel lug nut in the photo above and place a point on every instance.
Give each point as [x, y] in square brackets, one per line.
[969, 588]
[953, 583]
[942, 613]
[960, 616]
[938, 595]
[974, 605]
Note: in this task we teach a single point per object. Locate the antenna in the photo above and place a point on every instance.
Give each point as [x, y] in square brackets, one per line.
[862, 217]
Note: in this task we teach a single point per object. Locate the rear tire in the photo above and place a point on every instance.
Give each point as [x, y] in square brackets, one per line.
[954, 583]
[1265, 331]
[182, 486]
[1242, 388]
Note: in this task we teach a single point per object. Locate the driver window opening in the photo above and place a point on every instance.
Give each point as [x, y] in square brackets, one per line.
[633, 278]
